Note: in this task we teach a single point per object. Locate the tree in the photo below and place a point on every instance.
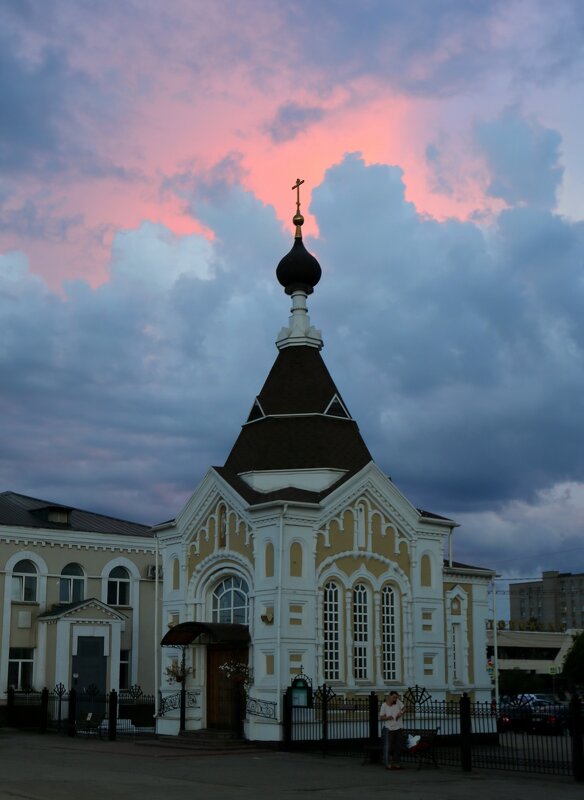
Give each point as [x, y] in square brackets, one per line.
[573, 669]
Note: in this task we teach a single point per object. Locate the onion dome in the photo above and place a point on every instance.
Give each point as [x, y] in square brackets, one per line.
[298, 270]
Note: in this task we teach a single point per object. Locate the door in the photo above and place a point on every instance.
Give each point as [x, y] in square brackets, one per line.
[224, 695]
[89, 670]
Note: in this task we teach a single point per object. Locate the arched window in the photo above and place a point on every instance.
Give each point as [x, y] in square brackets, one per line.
[332, 632]
[118, 587]
[230, 601]
[269, 560]
[425, 571]
[24, 581]
[388, 635]
[71, 584]
[175, 574]
[296, 560]
[360, 632]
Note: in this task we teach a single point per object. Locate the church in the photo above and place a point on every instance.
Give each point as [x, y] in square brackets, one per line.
[299, 556]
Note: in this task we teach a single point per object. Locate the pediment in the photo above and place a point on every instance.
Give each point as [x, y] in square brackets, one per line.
[90, 609]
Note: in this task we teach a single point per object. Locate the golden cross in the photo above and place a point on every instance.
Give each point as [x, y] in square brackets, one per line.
[297, 186]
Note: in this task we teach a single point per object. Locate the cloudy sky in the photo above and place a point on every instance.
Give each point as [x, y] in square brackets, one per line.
[147, 152]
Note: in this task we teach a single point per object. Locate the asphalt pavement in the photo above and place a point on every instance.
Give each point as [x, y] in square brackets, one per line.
[36, 767]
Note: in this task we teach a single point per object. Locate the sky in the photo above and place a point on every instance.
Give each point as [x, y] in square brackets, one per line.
[147, 155]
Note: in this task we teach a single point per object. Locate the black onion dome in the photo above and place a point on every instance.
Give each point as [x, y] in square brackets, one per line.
[299, 269]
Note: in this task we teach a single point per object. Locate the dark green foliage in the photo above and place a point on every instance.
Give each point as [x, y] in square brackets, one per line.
[573, 669]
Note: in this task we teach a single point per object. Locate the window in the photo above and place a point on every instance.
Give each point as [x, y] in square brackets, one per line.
[230, 601]
[118, 587]
[124, 669]
[388, 637]
[296, 560]
[269, 560]
[24, 581]
[175, 574]
[425, 570]
[332, 632]
[71, 584]
[20, 663]
[360, 632]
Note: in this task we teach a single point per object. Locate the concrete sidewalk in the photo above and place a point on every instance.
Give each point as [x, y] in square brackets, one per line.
[39, 767]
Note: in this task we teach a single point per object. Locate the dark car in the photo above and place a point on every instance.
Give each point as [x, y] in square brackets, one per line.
[550, 718]
[514, 714]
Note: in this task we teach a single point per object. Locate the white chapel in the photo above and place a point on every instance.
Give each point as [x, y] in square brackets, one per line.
[299, 555]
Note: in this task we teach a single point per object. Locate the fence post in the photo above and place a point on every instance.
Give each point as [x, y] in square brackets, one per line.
[72, 716]
[10, 703]
[576, 733]
[324, 719]
[112, 716]
[373, 718]
[44, 710]
[287, 718]
[465, 734]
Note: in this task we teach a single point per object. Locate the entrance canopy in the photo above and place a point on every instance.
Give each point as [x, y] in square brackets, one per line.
[186, 633]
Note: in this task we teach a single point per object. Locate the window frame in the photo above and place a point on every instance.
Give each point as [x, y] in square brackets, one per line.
[219, 608]
[121, 587]
[26, 581]
[21, 661]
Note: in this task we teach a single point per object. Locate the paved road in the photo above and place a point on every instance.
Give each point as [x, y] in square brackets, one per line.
[34, 767]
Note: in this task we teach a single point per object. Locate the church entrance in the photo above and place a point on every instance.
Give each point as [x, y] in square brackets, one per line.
[225, 695]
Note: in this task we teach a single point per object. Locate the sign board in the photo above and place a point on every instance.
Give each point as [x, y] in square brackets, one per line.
[301, 693]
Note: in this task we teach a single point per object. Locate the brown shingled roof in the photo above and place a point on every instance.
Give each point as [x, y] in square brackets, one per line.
[295, 432]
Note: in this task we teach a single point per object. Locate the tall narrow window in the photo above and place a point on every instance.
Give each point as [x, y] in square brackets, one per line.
[455, 644]
[425, 570]
[332, 632]
[124, 669]
[360, 632]
[175, 574]
[230, 601]
[296, 560]
[24, 581]
[20, 664]
[222, 527]
[118, 587]
[269, 560]
[388, 635]
[71, 584]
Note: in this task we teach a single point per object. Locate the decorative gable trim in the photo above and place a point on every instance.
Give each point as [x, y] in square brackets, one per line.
[257, 412]
[336, 408]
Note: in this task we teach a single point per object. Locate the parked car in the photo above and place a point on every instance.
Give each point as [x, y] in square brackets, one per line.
[532, 713]
[513, 714]
[551, 718]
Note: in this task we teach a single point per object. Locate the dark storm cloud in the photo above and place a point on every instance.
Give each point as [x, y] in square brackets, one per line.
[51, 113]
[459, 349]
[472, 338]
[522, 157]
[291, 120]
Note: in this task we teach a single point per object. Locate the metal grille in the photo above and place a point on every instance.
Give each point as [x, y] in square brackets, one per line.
[388, 634]
[331, 626]
[360, 632]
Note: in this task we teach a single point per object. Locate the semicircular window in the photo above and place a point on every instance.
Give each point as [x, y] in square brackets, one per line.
[230, 601]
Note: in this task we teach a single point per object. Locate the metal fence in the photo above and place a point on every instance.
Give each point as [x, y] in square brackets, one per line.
[68, 711]
[468, 734]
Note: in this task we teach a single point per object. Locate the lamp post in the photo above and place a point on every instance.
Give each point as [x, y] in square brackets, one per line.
[183, 691]
[495, 642]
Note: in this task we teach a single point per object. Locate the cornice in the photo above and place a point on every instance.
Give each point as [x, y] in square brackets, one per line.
[44, 538]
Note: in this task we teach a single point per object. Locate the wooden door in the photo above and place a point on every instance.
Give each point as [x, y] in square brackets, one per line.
[223, 695]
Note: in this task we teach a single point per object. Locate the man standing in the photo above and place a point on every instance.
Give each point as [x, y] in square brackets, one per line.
[391, 713]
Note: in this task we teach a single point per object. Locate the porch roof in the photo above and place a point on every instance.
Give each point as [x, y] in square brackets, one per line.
[185, 633]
